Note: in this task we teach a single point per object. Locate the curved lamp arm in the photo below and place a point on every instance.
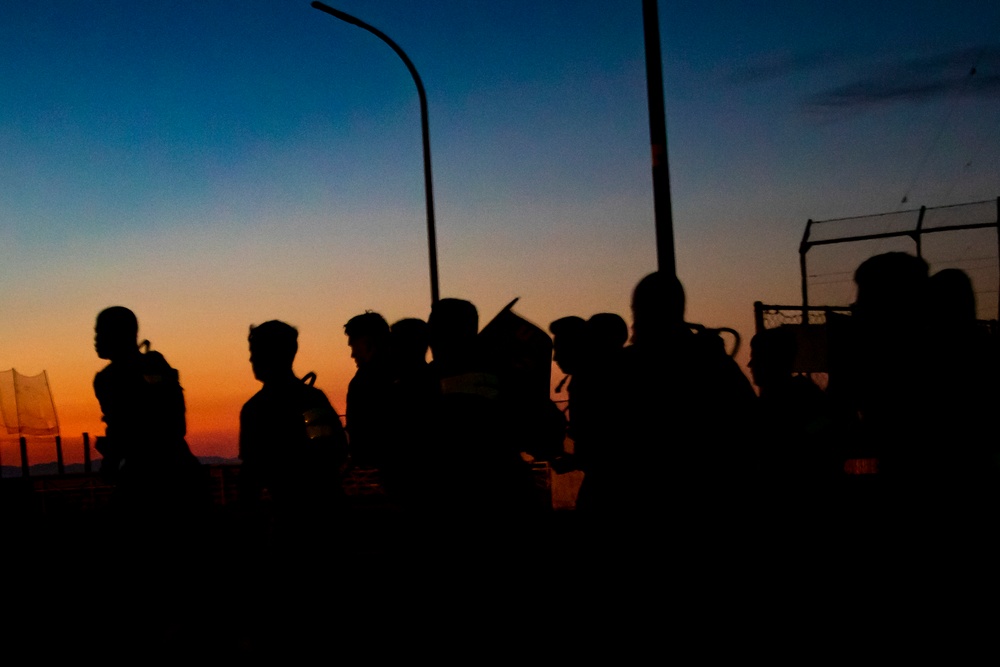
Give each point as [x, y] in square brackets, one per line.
[429, 194]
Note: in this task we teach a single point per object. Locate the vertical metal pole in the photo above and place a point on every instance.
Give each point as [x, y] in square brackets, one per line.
[758, 316]
[803, 249]
[87, 465]
[662, 207]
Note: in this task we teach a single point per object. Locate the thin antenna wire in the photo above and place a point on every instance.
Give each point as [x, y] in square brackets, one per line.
[941, 128]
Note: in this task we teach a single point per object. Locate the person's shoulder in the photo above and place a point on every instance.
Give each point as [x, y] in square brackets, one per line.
[253, 403]
[103, 374]
[102, 382]
[113, 375]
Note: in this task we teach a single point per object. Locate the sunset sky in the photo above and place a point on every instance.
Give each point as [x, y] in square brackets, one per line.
[214, 165]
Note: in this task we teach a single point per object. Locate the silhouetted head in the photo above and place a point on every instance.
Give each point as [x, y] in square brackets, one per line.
[772, 356]
[952, 299]
[568, 342]
[410, 340]
[607, 331]
[273, 346]
[657, 307]
[367, 336]
[116, 333]
[891, 287]
[453, 326]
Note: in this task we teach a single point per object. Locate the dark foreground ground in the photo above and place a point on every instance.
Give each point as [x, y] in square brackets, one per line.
[792, 581]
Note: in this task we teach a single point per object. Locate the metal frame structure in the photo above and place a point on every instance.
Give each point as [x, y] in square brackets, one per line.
[916, 234]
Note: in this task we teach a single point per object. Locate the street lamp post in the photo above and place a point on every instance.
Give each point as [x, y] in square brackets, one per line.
[429, 194]
[658, 140]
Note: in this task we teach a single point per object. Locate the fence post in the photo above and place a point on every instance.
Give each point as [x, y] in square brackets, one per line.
[25, 472]
[804, 246]
[758, 316]
[86, 453]
[60, 468]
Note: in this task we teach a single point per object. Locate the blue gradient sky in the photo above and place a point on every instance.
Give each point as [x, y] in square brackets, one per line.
[213, 165]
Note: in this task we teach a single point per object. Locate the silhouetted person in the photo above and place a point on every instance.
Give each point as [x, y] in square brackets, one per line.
[480, 472]
[452, 329]
[568, 353]
[797, 464]
[878, 375]
[292, 444]
[368, 392]
[568, 345]
[687, 404]
[596, 392]
[406, 466]
[607, 333]
[157, 479]
[962, 367]
[410, 343]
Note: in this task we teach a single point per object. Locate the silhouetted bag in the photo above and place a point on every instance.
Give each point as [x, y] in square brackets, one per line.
[325, 438]
[161, 449]
[163, 396]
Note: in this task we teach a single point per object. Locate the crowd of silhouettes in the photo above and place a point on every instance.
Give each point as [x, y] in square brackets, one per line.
[657, 424]
[660, 420]
[913, 376]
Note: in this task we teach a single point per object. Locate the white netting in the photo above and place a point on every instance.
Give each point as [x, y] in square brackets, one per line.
[26, 406]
